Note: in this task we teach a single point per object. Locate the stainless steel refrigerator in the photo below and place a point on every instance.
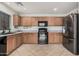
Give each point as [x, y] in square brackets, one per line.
[71, 34]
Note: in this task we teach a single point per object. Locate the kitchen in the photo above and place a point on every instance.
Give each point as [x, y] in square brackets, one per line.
[34, 23]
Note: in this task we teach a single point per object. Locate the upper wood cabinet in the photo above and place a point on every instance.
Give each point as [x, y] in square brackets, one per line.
[29, 21]
[42, 18]
[52, 21]
[55, 21]
[16, 20]
[26, 21]
[58, 21]
[34, 21]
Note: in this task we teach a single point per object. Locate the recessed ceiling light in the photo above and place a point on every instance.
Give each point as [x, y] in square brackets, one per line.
[55, 9]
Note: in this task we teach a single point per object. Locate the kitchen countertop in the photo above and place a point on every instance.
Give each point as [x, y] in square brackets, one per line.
[57, 29]
[2, 35]
[35, 29]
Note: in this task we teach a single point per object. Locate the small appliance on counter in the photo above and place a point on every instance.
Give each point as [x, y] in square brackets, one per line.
[42, 32]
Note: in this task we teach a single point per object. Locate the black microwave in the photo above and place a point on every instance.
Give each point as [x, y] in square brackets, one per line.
[42, 23]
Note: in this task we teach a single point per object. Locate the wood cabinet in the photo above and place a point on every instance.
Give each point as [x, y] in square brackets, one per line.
[25, 36]
[26, 21]
[51, 21]
[58, 21]
[42, 18]
[30, 38]
[55, 37]
[16, 20]
[18, 39]
[11, 43]
[34, 21]
[55, 21]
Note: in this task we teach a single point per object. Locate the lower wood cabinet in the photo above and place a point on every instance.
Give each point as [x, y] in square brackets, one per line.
[13, 41]
[25, 35]
[55, 37]
[30, 38]
[18, 40]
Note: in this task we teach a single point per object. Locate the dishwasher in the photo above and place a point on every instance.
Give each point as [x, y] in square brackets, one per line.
[3, 46]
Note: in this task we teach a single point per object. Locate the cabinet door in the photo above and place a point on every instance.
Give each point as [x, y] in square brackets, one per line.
[23, 21]
[42, 18]
[33, 38]
[55, 21]
[50, 21]
[58, 21]
[29, 21]
[21, 38]
[18, 40]
[25, 37]
[55, 38]
[16, 20]
[30, 38]
[34, 21]
[11, 43]
[50, 38]
[26, 21]
[58, 37]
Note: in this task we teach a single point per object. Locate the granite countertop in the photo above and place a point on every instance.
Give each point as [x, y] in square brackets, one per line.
[13, 33]
[50, 29]
[58, 29]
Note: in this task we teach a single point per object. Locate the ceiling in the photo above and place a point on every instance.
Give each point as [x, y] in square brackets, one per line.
[42, 7]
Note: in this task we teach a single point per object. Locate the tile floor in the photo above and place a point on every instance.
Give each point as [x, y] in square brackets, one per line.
[41, 50]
